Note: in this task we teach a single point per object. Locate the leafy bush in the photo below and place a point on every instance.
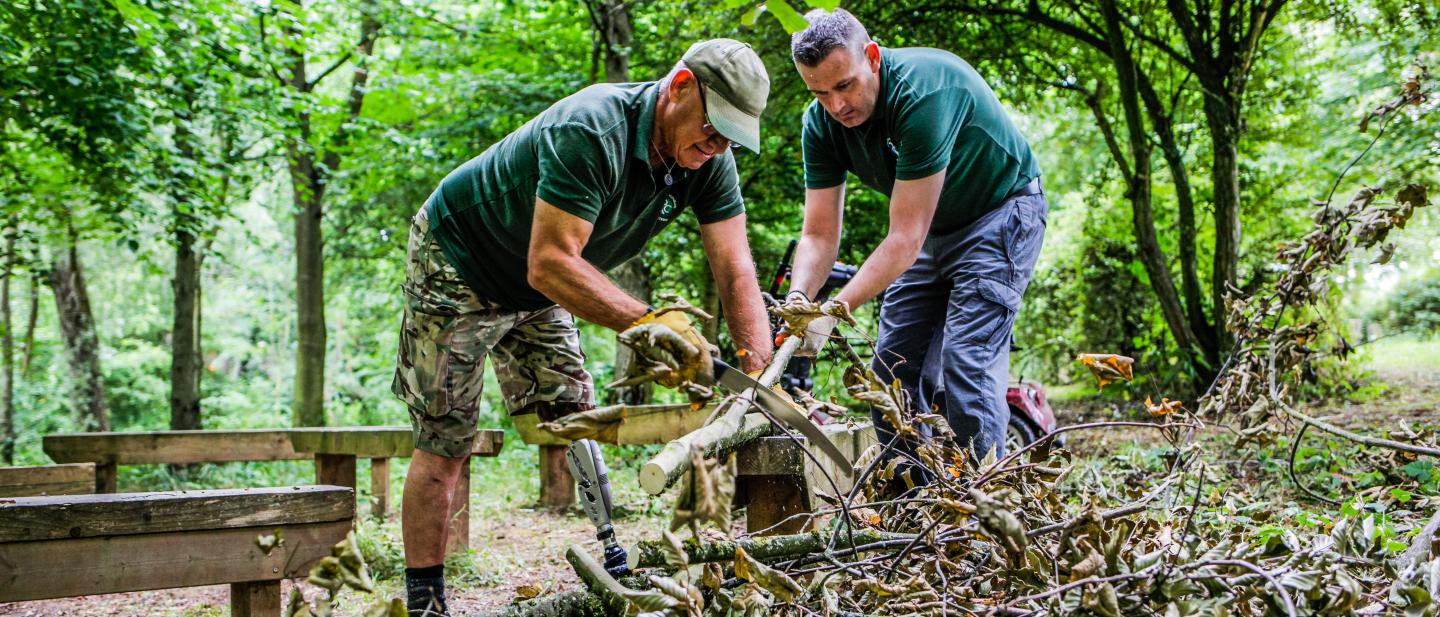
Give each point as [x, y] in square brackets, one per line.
[1415, 306]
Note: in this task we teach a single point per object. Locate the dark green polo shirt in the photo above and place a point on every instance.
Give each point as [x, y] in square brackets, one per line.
[934, 112]
[587, 155]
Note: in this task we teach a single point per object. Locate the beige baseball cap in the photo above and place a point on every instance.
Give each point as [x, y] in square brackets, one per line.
[735, 85]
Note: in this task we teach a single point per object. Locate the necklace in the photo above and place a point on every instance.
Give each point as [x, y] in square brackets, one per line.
[669, 179]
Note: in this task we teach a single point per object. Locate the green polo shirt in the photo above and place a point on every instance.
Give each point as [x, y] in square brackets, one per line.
[934, 113]
[587, 155]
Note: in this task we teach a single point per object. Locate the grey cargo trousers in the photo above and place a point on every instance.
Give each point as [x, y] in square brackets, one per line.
[945, 323]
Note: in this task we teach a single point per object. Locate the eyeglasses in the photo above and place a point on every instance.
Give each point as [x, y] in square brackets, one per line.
[709, 129]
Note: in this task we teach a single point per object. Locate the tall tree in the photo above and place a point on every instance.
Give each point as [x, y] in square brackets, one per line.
[7, 353]
[82, 342]
[610, 50]
[70, 109]
[313, 160]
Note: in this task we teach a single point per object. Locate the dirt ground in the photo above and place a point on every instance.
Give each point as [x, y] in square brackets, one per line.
[515, 547]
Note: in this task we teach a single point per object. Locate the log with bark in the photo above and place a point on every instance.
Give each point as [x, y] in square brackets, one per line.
[733, 427]
[651, 554]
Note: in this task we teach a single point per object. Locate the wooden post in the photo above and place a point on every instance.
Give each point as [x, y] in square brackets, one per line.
[773, 499]
[457, 540]
[258, 599]
[106, 476]
[557, 486]
[380, 488]
[335, 469]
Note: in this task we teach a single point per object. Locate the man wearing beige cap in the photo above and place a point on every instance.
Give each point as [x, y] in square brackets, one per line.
[516, 241]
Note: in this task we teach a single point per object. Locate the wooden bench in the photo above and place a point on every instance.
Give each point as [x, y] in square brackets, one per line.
[334, 449]
[63, 546]
[776, 480]
[39, 480]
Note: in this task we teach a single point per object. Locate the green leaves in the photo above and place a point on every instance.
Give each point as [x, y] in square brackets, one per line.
[791, 20]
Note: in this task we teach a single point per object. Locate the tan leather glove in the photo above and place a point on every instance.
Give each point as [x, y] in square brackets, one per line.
[817, 326]
[668, 344]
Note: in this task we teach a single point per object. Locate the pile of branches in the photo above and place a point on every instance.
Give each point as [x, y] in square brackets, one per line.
[929, 529]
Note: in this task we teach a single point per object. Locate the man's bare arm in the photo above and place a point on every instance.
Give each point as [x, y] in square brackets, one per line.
[819, 239]
[556, 269]
[912, 207]
[730, 261]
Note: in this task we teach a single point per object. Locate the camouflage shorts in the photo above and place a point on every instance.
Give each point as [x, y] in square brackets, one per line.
[448, 332]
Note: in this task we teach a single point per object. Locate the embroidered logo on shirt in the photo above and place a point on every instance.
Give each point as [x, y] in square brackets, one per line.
[667, 211]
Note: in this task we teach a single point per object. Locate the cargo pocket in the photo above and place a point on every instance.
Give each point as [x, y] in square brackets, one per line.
[983, 313]
[1025, 233]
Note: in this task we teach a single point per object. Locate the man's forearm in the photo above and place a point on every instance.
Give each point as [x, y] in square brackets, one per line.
[745, 313]
[814, 257]
[585, 291]
[891, 258]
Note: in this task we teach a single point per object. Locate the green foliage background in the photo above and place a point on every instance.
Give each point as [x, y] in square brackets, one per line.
[94, 93]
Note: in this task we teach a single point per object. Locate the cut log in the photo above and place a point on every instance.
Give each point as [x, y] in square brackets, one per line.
[729, 431]
[651, 554]
[608, 590]
[578, 603]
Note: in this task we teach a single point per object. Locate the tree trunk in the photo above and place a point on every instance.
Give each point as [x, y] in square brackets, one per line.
[1163, 125]
[616, 38]
[611, 22]
[1139, 193]
[309, 294]
[185, 329]
[308, 179]
[7, 356]
[634, 277]
[82, 344]
[710, 301]
[1223, 120]
[31, 318]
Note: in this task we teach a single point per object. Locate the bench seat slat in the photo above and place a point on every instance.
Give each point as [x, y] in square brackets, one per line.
[26, 519]
[64, 568]
[172, 447]
[71, 479]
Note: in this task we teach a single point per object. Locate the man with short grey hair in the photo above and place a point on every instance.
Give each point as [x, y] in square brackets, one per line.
[967, 216]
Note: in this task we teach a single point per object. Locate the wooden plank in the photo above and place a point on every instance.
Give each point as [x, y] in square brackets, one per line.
[380, 488]
[379, 441]
[361, 441]
[26, 519]
[72, 567]
[173, 447]
[258, 599]
[643, 424]
[70, 479]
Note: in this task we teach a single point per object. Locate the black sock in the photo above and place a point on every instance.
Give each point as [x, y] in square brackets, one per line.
[425, 591]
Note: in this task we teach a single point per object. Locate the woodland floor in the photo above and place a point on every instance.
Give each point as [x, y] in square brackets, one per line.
[516, 546]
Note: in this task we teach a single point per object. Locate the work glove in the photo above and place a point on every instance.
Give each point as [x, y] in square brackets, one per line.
[812, 319]
[668, 346]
